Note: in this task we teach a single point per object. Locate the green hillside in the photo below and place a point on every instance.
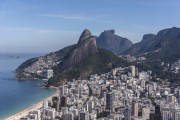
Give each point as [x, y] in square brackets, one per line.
[101, 62]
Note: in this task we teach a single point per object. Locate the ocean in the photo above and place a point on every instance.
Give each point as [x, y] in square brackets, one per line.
[17, 95]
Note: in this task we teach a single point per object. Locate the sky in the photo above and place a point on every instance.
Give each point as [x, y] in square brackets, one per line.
[44, 26]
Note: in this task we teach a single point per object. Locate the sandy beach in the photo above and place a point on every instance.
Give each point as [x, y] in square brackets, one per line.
[25, 112]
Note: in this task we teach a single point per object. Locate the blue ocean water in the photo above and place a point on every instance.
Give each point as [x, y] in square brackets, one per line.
[17, 95]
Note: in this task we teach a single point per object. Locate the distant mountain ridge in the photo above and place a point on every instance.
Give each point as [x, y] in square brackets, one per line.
[112, 42]
[164, 46]
[85, 57]
[140, 47]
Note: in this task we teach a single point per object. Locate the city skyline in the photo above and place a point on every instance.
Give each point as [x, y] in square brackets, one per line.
[36, 26]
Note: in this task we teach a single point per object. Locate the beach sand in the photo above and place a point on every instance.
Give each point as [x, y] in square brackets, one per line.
[25, 112]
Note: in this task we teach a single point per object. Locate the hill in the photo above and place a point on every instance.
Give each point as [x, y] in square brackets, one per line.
[72, 62]
[100, 62]
[139, 48]
[86, 46]
[112, 42]
[37, 67]
[164, 46]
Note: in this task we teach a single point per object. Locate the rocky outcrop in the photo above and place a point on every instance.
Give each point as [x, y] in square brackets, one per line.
[139, 47]
[147, 38]
[85, 35]
[86, 46]
[163, 46]
[112, 42]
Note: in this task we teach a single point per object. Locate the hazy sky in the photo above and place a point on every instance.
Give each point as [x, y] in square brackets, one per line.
[49, 25]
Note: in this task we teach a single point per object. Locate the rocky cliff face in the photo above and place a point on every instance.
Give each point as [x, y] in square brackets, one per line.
[86, 46]
[112, 42]
[163, 46]
[138, 48]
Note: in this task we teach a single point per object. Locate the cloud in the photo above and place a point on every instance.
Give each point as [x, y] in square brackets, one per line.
[25, 29]
[68, 17]
[98, 19]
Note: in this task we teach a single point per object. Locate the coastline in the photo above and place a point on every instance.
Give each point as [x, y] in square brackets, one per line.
[25, 112]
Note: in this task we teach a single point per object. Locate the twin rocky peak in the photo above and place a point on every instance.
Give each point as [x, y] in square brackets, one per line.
[86, 46]
[88, 55]
[81, 59]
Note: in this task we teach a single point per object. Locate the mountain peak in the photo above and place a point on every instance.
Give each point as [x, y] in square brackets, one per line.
[110, 31]
[164, 46]
[86, 46]
[112, 42]
[85, 35]
[148, 37]
[169, 31]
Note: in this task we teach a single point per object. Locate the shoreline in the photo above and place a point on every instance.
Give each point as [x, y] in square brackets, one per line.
[25, 112]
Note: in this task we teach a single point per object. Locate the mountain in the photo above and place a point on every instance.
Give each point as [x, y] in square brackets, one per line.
[100, 62]
[140, 47]
[85, 47]
[112, 42]
[31, 67]
[163, 46]
[72, 62]
[85, 59]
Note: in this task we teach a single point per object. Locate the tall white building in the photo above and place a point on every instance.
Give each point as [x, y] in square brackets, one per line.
[61, 90]
[49, 74]
[143, 84]
[135, 109]
[45, 104]
[133, 71]
[90, 106]
[146, 113]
